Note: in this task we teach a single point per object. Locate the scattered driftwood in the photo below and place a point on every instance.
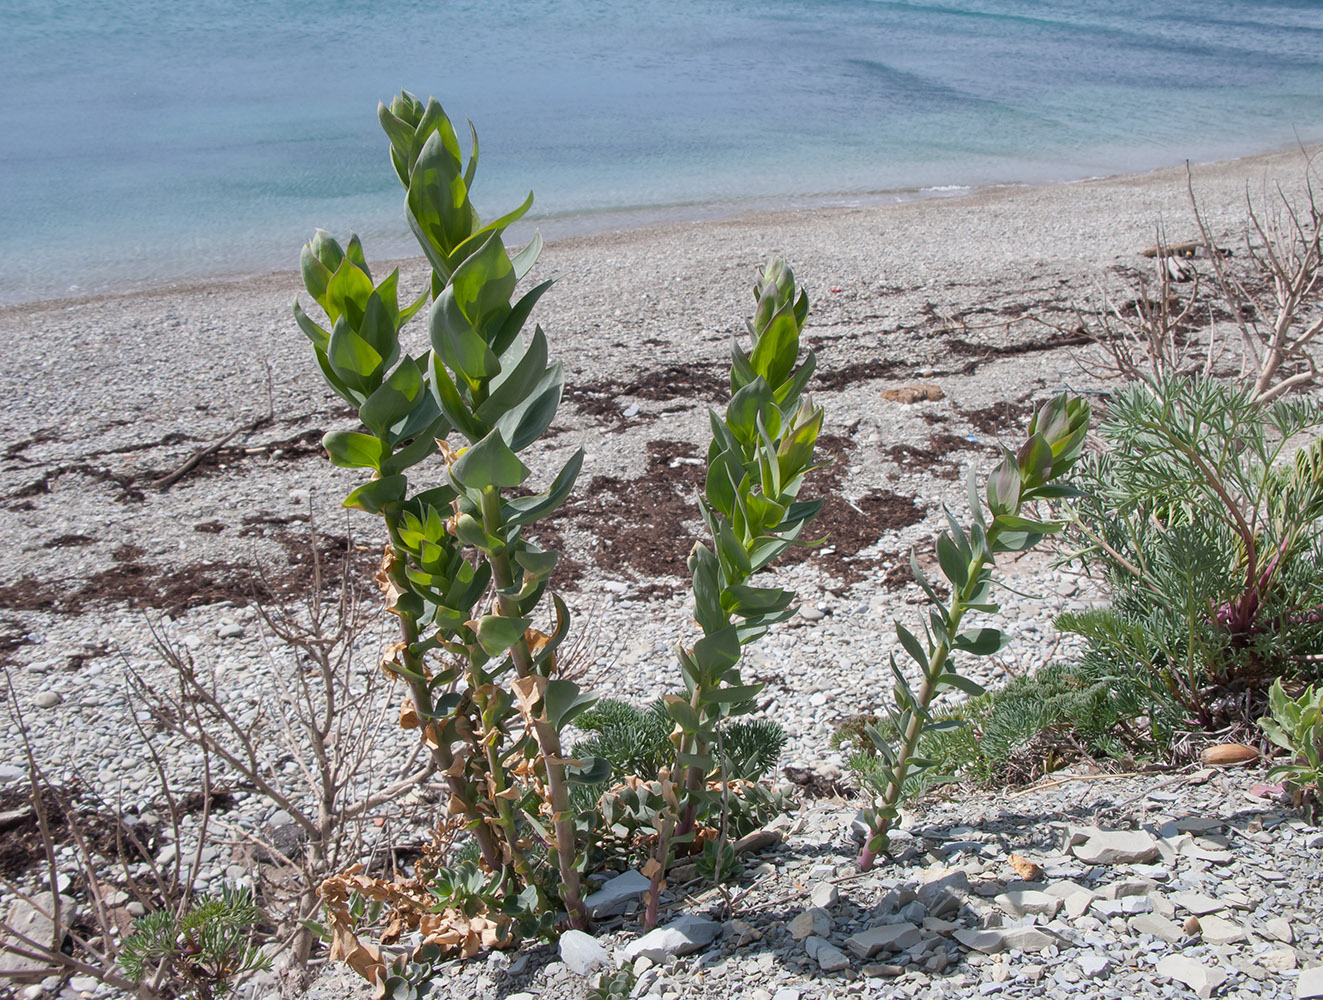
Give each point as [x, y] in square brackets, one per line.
[1188, 249]
[191, 463]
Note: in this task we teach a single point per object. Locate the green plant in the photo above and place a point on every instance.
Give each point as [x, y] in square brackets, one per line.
[459, 574]
[1019, 732]
[1056, 437]
[1296, 725]
[1209, 533]
[756, 463]
[204, 951]
[613, 986]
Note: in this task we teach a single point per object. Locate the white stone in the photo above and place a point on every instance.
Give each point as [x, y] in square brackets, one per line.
[615, 895]
[1115, 847]
[47, 699]
[84, 984]
[998, 939]
[229, 630]
[1201, 978]
[1280, 929]
[824, 894]
[582, 953]
[1158, 926]
[1217, 930]
[1029, 902]
[1197, 903]
[679, 937]
[1094, 966]
[1310, 984]
[1279, 959]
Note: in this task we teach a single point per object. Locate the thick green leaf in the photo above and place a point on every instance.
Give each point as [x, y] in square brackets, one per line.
[374, 495]
[352, 358]
[350, 450]
[912, 645]
[718, 652]
[394, 400]
[732, 694]
[489, 463]
[981, 642]
[452, 405]
[496, 633]
[525, 510]
[589, 771]
[682, 713]
[410, 455]
[482, 286]
[953, 566]
[459, 345]
[774, 355]
[320, 338]
[523, 424]
[563, 701]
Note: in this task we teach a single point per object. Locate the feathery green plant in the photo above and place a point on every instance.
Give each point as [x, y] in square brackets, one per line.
[1209, 530]
[207, 950]
[1056, 438]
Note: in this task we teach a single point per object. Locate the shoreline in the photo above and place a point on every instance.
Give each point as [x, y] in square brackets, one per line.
[572, 229]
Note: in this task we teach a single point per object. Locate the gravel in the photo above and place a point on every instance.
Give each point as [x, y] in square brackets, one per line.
[109, 395]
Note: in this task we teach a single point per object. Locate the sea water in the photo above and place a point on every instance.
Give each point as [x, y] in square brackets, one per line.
[144, 142]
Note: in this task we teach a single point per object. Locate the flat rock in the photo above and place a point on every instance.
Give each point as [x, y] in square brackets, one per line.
[1115, 847]
[582, 953]
[47, 699]
[1310, 984]
[679, 937]
[32, 920]
[1201, 978]
[998, 939]
[1279, 928]
[615, 895]
[815, 920]
[824, 894]
[887, 937]
[1218, 930]
[1158, 926]
[1197, 903]
[1029, 902]
[830, 958]
[1094, 966]
[1279, 959]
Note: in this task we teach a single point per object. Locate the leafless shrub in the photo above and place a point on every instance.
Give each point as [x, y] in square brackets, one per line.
[1275, 299]
[1270, 289]
[92, 847]
[326, 716]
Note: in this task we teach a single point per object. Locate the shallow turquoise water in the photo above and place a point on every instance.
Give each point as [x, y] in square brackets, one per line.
[143, 142]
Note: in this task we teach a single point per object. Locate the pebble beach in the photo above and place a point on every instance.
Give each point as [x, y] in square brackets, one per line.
[110, 542]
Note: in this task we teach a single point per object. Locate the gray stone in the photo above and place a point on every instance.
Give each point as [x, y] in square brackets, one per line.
[33, 920]
[615, 895]
[1114, 847]
[812, 921]
[1201, 978]
[998, 939]
[830, 958]
[1310, 984]
[84, 984]
[888, 937]
[679, 937]
[229, 630]
[47, 699]
[582, 953]
[786, 994]
[1029, 902]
